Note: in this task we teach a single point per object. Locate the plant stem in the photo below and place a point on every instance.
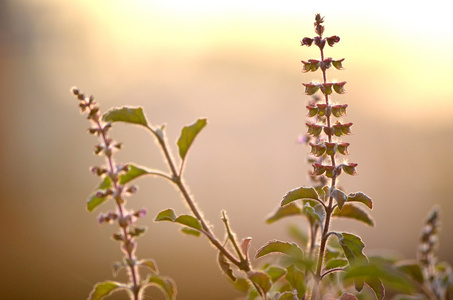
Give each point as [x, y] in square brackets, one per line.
[176, 179]
[329, 208]
[128, 239]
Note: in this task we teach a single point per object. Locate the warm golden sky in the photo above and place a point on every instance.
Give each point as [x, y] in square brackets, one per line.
[405, 49]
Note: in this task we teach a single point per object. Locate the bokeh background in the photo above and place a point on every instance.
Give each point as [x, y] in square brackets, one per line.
[238, 64]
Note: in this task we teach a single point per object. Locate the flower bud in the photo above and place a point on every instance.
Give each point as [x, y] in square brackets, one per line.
[332, 40]
[321, 109]
[339, 87]
[314, 129]
[140, 213]
[338, 63]
[350, 168]
[343, 148]
[339, 110]
[312, 111]
[306, 42]
[326, 88]
[118, 237]
[330, 170]
[310, 88]
[318, 169]
[331, 148]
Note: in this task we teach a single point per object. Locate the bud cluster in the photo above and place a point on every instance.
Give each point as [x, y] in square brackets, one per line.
[325, 147]
[111, 174]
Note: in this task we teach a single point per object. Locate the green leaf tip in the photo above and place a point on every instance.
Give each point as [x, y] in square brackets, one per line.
[300, 193]
[188, 134]
[191, 222]
[166, 215]
[165, 284]
[106, 288]
[353, 212]
[94, 201]
[132, 115]
[279, 247]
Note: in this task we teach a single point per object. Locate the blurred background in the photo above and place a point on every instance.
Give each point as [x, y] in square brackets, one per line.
[236, 63]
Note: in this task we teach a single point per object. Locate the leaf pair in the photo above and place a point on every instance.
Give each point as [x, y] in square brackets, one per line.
[193, 226]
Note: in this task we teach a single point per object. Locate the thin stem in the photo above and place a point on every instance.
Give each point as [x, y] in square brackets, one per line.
[119, 203]
[176, 178]
[231, 237]
[331, 271]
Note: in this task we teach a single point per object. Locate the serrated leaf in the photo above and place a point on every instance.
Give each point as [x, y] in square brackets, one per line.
[188, 221]
[413, 270]
[290, 209]
[132, 173]
[150, 264]
[353, 212]
[360, 197]
[165, 284]
[106, 288]
[275, 273]
[300, 193]
[166, 215]
[352, 247]
[188, 134]
[296, 278]
[190, 231]
[94, 201]
[225, 266]
[133, 115]
[275, 246]
[340, 197]
[261, 280]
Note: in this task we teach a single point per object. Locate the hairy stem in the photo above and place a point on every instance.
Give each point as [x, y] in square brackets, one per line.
[177, 179]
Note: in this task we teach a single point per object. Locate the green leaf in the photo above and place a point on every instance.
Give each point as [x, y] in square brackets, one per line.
[335, 263]
[288, 296]
[94, 201]
[360, 197]
[317, 213]
[390, 276]
[188, 134]
[132, 173]
[133, 115]
[376, 285]
[297, 280]
[352, 247]
[412, 269]
[261, 280]
[106, 288]
[275, 246]
[166, 215]
[353, 212]
[166, 284]
[150, 264]
[298, 235]
[300, 193]
[284, 211]
[225, 266]
[188, 221]
[275, 273]
[190, 231]
[340, 197]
